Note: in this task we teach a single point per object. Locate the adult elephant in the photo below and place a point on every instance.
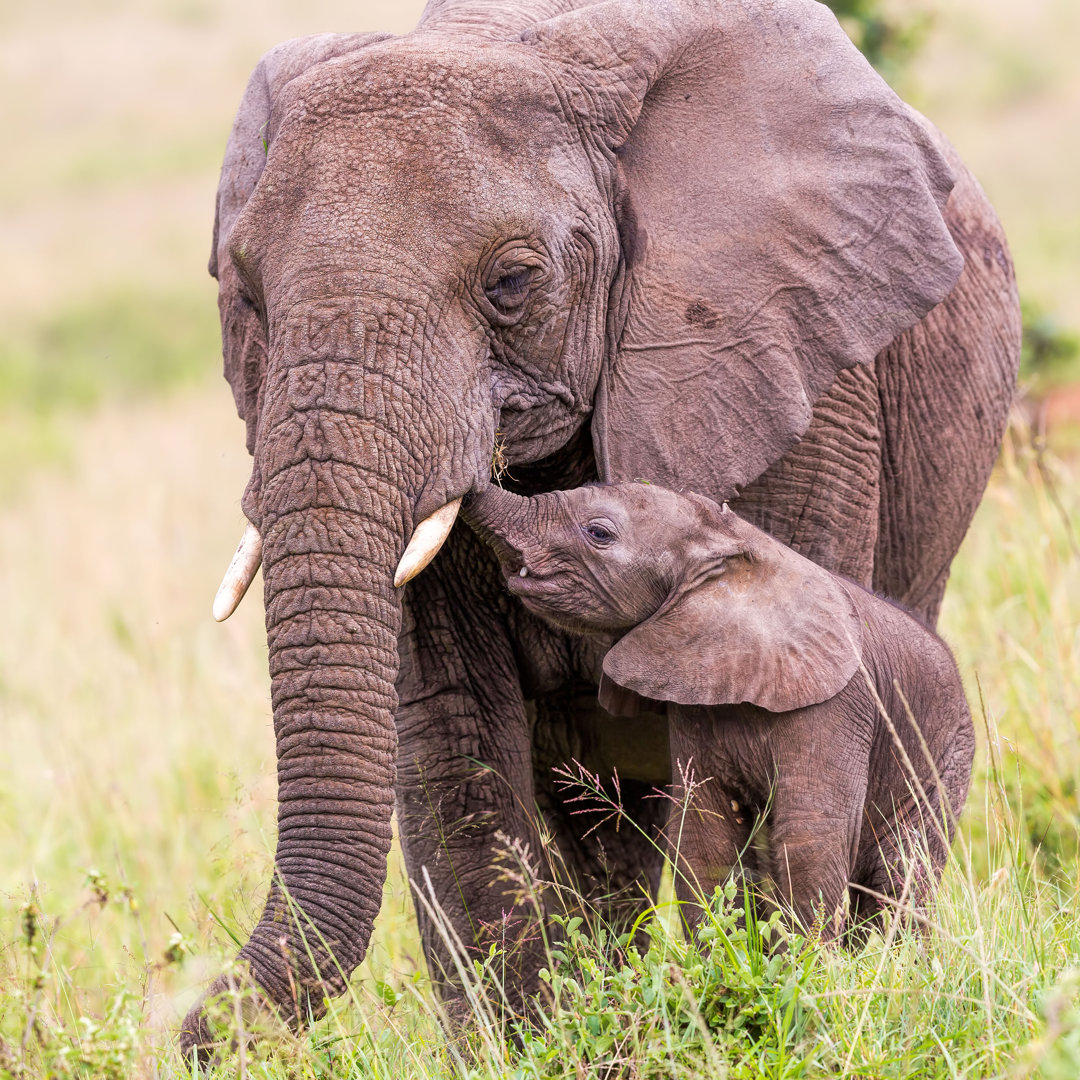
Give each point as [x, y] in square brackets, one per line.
[702, 243]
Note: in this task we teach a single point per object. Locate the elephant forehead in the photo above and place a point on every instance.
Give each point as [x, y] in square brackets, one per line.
[451, 108]
[649, 502]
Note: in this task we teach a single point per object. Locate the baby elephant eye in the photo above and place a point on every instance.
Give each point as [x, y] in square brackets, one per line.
[598, 533]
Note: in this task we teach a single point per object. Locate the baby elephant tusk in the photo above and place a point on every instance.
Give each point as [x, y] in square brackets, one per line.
[427, 538]
[239, 575]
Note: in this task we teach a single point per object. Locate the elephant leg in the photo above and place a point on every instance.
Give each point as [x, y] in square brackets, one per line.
[816, 817]
[464, 785]
[821, 498]
[813, 843]
[599, 784]
[893, 847]
[811, 858]
[946, 387]
[905, 842]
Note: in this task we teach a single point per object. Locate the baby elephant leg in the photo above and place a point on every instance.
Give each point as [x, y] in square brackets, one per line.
[708, 842]
[797, 842]
[709, 832]
[903, 853]
[813, 834]
[907, 832]
[810, 855]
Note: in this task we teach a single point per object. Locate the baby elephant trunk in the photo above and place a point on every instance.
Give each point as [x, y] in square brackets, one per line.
[503, 520]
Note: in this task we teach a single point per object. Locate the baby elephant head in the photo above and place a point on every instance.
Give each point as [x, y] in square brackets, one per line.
[706, 609]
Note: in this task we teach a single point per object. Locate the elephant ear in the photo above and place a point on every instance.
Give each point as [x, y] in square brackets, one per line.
[243, 337]
[784, 215]
[772, 629]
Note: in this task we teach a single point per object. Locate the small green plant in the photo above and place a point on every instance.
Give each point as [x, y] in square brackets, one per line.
[732, 990]
[886, 38]
[43, 1031]
[1049, 351]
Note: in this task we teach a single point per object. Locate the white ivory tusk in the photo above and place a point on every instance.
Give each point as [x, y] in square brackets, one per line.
[238, 577]
[427, 538]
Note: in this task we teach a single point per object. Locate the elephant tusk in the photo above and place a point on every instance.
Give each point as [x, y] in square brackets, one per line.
[427, 538]
[239, 575]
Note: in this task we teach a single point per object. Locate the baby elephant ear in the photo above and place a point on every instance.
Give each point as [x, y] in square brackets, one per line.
[772, 629]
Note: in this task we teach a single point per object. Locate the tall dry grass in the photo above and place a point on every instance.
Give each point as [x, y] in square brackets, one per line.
[137, 752]
[1012, 616]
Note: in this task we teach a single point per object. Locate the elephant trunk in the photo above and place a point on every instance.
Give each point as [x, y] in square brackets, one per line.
[332, 622]
[333, 504]
[510, 524]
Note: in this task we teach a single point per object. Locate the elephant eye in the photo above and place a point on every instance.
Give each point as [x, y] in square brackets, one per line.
[598, 533]
[509, 291]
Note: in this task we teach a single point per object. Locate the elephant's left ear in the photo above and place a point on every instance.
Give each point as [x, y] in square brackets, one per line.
[243, 337]
[788, 220]
[773, 629]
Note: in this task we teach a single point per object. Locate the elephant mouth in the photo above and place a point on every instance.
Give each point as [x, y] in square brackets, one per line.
[548, 600]
[529, 587]
[525, 581]
[511, 561]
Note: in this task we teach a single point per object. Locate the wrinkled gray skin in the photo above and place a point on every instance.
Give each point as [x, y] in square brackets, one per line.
[774, 675]
[701, 243]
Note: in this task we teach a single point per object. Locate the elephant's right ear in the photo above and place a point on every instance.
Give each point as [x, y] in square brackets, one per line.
[787, 214]
[243, 338]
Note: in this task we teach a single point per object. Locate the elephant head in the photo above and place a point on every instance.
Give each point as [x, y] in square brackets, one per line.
[701, 607]
[522, 221]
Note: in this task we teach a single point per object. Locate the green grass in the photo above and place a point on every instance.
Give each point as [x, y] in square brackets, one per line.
[1012, 615]
[124, 344]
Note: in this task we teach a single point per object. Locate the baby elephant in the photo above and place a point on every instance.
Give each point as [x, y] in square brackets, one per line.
[790, 692]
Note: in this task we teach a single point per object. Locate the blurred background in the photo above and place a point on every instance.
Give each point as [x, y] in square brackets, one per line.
[136, 755]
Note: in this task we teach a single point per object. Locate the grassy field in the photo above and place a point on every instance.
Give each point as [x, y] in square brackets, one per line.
[137, 799]
[137, 769]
